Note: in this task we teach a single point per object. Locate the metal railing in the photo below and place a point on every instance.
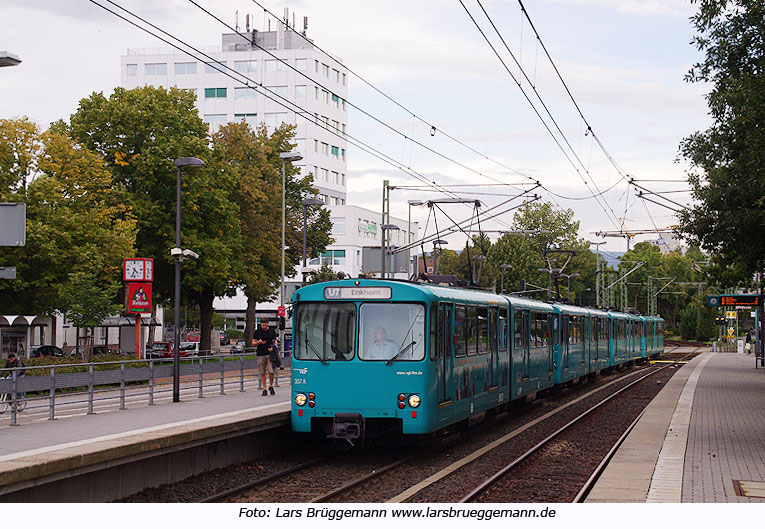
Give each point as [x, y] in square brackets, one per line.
[98, 383]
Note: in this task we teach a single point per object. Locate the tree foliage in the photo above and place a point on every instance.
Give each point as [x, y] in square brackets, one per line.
[139, 133]
[78, 228]
[727, 159]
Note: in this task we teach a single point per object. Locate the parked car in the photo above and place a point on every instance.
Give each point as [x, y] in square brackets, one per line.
[224, 340]
[189, 348]
[161, 350]
[238, 347]
[45, 350]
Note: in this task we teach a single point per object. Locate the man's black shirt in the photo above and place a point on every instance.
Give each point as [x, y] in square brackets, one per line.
[269, 335]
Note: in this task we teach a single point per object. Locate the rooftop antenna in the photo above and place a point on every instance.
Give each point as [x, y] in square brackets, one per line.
[305, 25]
[293, 20]
[287, 16]
[247, 18]
[236, 13]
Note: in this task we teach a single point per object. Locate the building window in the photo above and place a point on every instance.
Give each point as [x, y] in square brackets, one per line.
[185, 68]
[336, 75]
[215, 121]
[335, 177]
[325, 148]
[244, 93]
[335, 151]
[324, 96]
[275, 119]
[342, 151]
[325, 175]
[343, 102]
[335, 101]
[325, 70]
[246, 67]
[132, 70]
[300, 91]
[300, 64]
[273, 65]
[156, 69]
[343, 79]
[342, 179]
[330, 257]
[212, 93]
[335, 125]
[338, 225]
[316, 66]
[251, 118]
[280, 91]
[215, 67]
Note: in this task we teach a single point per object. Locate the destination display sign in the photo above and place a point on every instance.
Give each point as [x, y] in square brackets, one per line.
[740, 299]
[357, 292]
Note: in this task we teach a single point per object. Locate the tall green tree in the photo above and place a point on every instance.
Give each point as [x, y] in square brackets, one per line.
[20, 145]
[728, 158]
[78, 230]
[139, 133]
[253, 156]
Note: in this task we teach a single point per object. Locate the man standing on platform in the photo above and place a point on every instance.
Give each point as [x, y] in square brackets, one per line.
[264, 338]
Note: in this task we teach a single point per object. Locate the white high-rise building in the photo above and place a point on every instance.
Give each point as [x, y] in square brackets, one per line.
[294, 83]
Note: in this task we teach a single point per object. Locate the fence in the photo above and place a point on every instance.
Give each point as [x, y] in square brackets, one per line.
[144, 378]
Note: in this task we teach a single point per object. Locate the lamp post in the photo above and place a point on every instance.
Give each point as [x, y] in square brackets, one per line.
[307, 202]
[502, 269]
[436, 262]
[286, 157]
[477, 277]
[383, 229]
[9, 59]
[568, 277]
[178, 255]
[409, 235]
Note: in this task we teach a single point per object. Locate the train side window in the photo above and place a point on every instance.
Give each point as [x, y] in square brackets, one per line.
[472, 330]
[518, 330]
[482, 330]
[460, 331]
[503, 329]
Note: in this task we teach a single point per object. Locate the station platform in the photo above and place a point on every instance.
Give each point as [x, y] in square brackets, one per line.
[44, 452]
[701, 440]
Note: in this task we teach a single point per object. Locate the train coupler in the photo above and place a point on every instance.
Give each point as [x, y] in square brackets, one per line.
[347, 426]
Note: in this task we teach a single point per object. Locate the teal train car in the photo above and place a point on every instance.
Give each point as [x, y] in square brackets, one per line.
[375, 356]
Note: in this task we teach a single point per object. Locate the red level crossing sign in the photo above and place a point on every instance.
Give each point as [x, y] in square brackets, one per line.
[281, 311]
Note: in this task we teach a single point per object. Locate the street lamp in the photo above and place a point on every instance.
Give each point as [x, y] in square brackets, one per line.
[409, 235]
[552, 272]
[383, 244]
[178, 255]
[502, 269]
[569, 276]
[286, 157]
[307, 202]
[9, 59]
[436, 262]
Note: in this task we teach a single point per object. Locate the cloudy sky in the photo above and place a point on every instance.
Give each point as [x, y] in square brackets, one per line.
[622, 60]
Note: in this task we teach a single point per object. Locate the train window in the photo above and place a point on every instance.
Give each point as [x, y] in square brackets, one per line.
[503, 329]
[539, 330]
[472, 330]
[482, 328]
[460, 331]
[325, 331]
[392, 330]
[574, 330]
[493, 329]
[555, 329]
[518, 330]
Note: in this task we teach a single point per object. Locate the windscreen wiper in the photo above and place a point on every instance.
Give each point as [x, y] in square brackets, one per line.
[389, 362]
[320, 357]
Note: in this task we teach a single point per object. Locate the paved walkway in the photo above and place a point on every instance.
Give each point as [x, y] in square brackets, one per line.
[702, 439]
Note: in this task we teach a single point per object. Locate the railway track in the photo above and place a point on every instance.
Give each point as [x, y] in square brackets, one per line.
[439, 475]
[554, 453]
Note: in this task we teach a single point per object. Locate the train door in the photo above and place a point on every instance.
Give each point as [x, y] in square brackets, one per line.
[445, 352]
[522, 342]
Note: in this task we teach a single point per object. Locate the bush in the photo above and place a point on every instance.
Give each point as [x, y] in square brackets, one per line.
[688, 322]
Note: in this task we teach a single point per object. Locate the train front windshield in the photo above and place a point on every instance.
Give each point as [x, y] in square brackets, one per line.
[327, 331]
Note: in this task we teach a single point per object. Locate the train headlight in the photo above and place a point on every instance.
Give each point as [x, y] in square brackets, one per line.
[414, 400]
[300, 399]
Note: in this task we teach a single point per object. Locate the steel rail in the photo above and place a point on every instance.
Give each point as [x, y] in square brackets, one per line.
[494, 478]
[348, 486]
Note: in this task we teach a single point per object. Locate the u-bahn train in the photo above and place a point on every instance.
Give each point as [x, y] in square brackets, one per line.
[373, 356]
